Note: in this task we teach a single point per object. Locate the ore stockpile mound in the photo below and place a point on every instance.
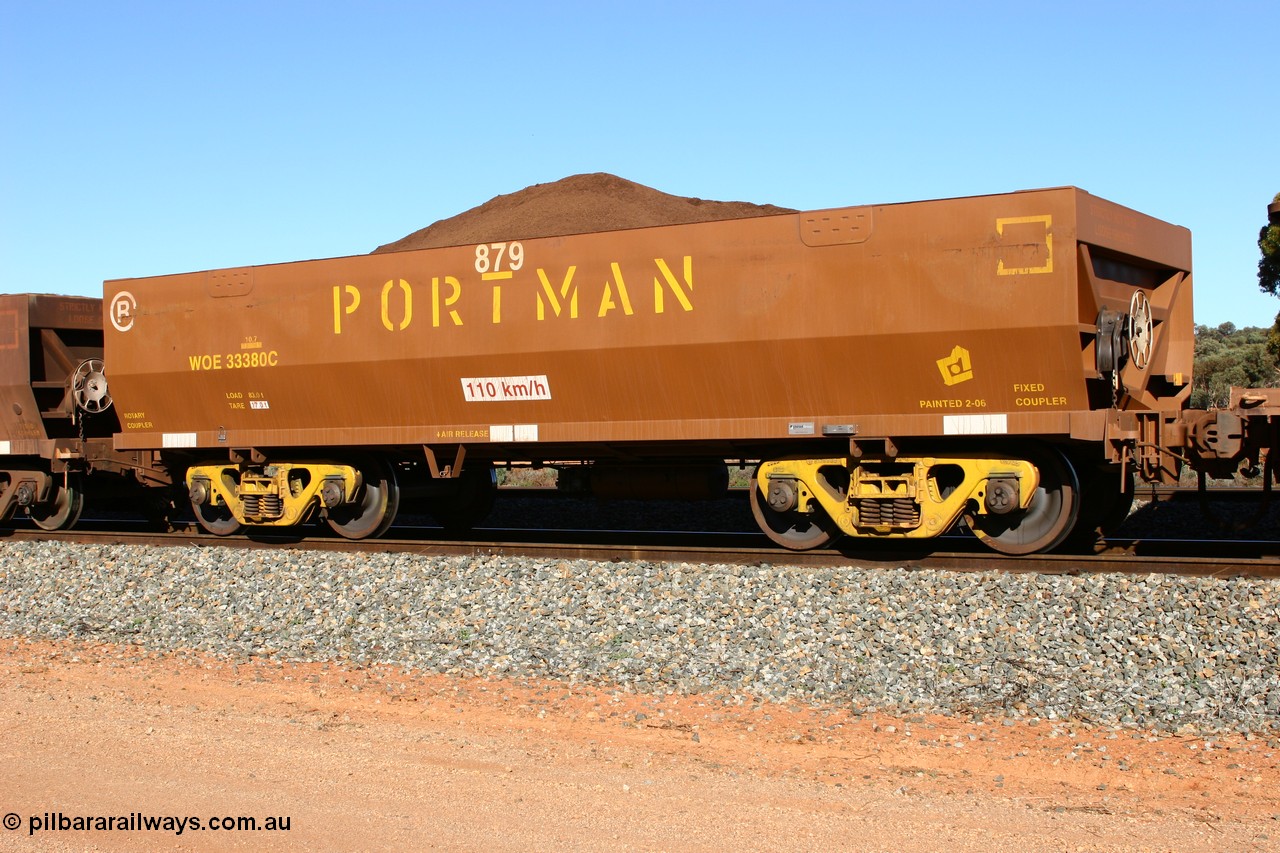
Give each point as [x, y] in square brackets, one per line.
[578, 204]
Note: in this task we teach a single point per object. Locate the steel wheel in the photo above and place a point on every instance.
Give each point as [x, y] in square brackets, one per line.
[63, 508]
[796, 531]
[217, 520]
[376, 503]
[1047, 521]
[1105, 501]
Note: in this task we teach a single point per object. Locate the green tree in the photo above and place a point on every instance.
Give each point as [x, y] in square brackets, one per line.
[1247, 357]
[1269, 243]
[1227, 356]
[1269, 269]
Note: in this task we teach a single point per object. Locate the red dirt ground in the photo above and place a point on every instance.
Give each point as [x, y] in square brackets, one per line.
[380, 758]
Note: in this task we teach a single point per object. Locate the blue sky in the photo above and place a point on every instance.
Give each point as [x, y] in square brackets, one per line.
[146, 138]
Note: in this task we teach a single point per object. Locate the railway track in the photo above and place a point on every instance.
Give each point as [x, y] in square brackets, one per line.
[1196, 557]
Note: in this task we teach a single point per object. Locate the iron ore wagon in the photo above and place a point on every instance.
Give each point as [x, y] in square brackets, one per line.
[1010, 360]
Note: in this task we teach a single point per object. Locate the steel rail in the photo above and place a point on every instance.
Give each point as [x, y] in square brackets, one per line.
[1206, 558]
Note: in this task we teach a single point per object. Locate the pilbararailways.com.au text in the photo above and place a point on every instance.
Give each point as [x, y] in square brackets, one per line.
[140, 822]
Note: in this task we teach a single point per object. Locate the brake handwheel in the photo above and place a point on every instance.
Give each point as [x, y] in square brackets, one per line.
[89, 387]
[1140, 333]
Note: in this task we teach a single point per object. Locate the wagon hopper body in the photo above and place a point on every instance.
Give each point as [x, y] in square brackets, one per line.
[894, 366]
[56, 423]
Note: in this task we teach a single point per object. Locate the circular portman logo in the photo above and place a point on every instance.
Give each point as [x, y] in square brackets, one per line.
[123, 306]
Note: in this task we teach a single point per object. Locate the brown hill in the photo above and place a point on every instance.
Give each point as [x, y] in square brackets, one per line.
[575, 205]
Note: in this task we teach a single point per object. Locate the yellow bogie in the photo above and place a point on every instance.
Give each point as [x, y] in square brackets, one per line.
[911, 498]
[280, 495]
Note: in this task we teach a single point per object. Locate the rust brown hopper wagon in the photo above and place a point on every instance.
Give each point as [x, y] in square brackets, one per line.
[56, 422]
[895, 368]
